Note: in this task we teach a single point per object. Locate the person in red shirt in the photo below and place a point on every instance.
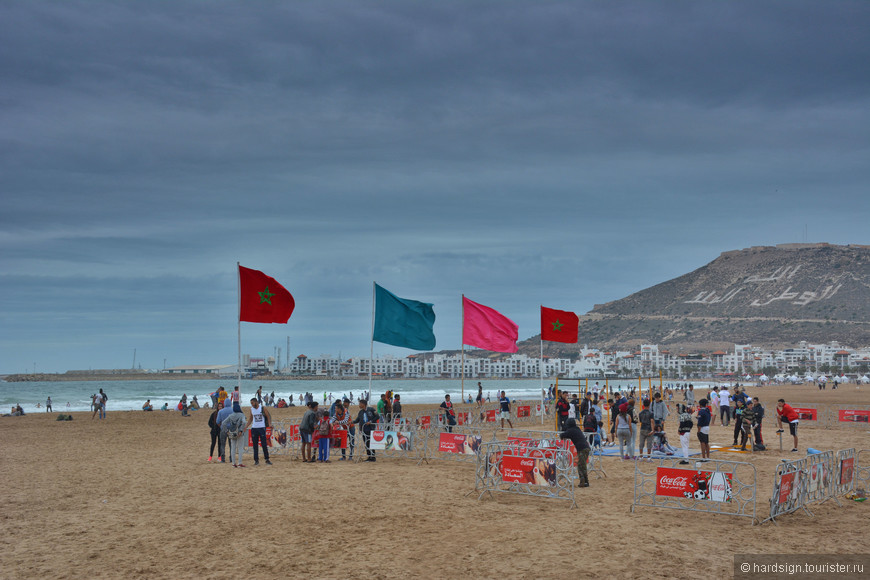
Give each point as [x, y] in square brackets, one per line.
[784, 411]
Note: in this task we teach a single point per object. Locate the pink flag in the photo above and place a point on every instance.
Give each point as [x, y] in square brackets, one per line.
[486, 328]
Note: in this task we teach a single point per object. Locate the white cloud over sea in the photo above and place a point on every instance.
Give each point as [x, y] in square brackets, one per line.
[556, 153]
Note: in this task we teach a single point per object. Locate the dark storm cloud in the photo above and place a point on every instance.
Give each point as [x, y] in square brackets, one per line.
[480, 147]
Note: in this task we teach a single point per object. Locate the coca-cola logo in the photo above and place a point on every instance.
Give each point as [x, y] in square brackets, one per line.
[378, 435]
[673, 482]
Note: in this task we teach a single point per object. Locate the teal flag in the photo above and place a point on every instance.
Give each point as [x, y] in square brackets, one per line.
[402, 322]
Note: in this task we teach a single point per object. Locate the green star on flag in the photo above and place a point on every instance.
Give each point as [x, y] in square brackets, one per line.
[557, 326]
[266, 296]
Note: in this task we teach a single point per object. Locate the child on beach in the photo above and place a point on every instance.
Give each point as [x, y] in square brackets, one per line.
[323, 436]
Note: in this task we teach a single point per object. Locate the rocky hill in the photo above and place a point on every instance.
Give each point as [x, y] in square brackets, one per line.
[765, 296]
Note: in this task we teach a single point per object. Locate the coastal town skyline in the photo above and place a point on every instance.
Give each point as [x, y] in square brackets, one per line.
[563, 154]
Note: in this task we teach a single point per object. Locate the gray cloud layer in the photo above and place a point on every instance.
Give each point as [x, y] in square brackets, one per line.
[522, 153]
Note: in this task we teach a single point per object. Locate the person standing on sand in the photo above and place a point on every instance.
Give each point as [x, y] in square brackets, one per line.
[48, 405]
[215, 429]
[449, 414]
[578, 438]
[226, 409]
[258, 421]
[504, 405]
[236, 397]
[234, 427]
[724, 407]
[704, 418]
[479, 400]
[367, 418]
[222, 396]
[714, 404]
[659, 410]
[785, 411]
[306, 431]
[562, 408]
[685, 430]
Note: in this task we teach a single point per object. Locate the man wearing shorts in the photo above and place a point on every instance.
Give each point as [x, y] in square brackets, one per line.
[704, 419]
[784, 411]
[504, 410]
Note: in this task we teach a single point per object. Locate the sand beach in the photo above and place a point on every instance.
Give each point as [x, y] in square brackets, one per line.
[134, 497]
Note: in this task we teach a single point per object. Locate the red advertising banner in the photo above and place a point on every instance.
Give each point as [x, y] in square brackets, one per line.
[268, 438]
[490, 416]
[454, 443]
[425, 422]
[528, 470]
[524, 411]
[806, 414]
[854, 415]
[689, 484]
[847, 471]
[788, 484]
[463, 418]
[339, 439]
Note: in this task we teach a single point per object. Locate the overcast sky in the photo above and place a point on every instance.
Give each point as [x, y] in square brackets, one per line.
[521, 153]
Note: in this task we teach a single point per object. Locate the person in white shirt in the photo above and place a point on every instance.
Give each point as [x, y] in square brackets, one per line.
[724, 407]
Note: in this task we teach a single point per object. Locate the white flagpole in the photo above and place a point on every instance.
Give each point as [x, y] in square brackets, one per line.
[239, 319]
[372, 341]
[462, 396]
[542, 377]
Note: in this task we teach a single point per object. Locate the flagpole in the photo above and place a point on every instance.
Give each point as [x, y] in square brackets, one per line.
[542, 378]
[239, 318]
[372, 341]
[462, 396]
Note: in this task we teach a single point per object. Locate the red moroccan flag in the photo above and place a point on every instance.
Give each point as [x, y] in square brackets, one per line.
[559, 325]
[262, 299]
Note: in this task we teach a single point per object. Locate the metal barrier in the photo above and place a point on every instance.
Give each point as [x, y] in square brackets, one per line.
[844, 476]
[510, 468]
[862, 472]
[461, 444]
[789, 489]
[809, 414]
[850, 416]
[819, 476]
[551, 439]
[711, 486]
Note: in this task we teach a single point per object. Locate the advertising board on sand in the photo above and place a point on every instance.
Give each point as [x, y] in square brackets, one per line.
[689, 484]
[528, 470]
[806, 414]
[387, 440]
[854, 415]
[456, 443]
[847, 471]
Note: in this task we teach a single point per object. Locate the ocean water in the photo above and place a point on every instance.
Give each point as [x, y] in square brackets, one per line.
[130, 395]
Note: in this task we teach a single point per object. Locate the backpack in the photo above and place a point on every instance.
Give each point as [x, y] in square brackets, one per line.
[323, 427]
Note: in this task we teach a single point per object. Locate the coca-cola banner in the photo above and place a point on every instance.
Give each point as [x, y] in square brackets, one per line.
[523, 411]
[847, 471]
[391, 440]
[425, 422]
[690, 484]
[788, 487]
[805, 414]
[856, 415]
[455, 443]
[490, 415]
[528, 470]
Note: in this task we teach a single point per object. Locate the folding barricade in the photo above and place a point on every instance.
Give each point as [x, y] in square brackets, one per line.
[844, 474]
[850, 416]
[789, 489]
[819, 477]
[551, 439]
[398, 439]
[809, 414]
[506, 467]
[282, 439]
[711, 486]
[862, 471]
[462, 444]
